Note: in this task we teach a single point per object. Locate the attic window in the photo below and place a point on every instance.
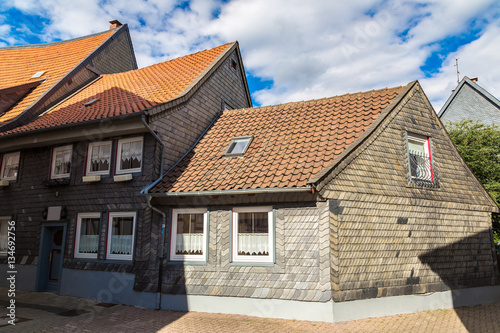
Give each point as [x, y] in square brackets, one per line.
[233, 64]
[420, 158]
[238, 145]
[91, 102]
[38, 74]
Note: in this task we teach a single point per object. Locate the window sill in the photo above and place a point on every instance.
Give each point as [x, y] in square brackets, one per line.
[91, 179]
[257, 264]
[122, 178]
[4, 183]
[186, 263]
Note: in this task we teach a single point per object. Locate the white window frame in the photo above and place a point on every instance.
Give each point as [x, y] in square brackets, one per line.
[81, 216]
[53, 162]
[118, 169]
[4, 158]
[426, 141]
[91, 145]
[173, 239]
[233, 141]
[7, 219]
[234, 237]
[111, 216]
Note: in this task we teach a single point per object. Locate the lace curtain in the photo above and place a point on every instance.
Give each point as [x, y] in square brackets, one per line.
[62, 162]
[101, 156]
[189, 244]
[253, 244]
[88, 243]
[121, 244]
[11, 166]
[131, 155]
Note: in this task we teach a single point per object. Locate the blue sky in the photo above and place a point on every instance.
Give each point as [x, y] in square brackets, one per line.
[292, 50]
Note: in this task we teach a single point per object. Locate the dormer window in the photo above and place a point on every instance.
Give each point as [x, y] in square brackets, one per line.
[238, 146]
[419, 158]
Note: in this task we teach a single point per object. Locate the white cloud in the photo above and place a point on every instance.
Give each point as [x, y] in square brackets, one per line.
[308, 49]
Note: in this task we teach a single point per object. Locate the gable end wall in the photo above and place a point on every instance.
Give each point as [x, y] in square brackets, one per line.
[391, 237]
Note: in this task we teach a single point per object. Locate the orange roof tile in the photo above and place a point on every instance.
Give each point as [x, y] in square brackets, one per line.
[128, 92]
[291, 143]
[18, 64]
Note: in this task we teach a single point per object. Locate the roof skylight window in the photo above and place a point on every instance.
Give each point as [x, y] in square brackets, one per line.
[238, 145]
[38, 74]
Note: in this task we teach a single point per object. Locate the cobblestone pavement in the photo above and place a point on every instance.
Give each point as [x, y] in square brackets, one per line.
[46, 312]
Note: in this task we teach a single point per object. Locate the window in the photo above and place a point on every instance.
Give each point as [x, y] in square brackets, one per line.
[129, 156]
[87, 235]
[98, 158]
[4, 224]
[238, 145]
[189, 234]
[419, 158]
[253, 235]
[121, 228]
[10, 166]
[61, 162]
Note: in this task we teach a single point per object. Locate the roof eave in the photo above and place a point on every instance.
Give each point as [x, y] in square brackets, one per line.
[314, 180]
[234, 191]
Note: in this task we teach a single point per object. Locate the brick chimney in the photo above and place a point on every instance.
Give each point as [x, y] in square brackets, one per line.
[474, 79]
[114, 24]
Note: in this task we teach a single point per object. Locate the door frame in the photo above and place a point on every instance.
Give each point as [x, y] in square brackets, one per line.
[42, 273]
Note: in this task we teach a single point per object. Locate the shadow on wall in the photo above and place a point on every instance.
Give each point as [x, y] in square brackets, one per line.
[468, 263]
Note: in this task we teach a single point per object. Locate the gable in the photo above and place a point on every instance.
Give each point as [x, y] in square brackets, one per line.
[379, 166]
[471, 102]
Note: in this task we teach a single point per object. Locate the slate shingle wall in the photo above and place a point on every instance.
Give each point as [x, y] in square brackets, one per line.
[392, 237]
[301, 271]
[26, 199]
[182, 125]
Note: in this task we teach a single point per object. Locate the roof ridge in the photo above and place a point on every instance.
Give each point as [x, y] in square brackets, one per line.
[313, 100]
[29, 46]
[163, 62]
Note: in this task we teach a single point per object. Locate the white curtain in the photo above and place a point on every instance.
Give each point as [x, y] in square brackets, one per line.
[89, 243]
[253, 243]
[189, 242]
[121, 244]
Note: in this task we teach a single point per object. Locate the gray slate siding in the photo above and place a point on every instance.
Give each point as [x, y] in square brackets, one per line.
[301, 271]
[27, 198]
[471, 104]
[181, 126]
[390, 236]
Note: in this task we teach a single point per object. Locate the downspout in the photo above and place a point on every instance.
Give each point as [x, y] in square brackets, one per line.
[164, 216]
[162, 245]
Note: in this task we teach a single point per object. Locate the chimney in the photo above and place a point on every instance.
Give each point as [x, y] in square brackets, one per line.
[114, 24]
[474, 79]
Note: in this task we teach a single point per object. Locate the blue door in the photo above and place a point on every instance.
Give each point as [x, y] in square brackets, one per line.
[50, 259]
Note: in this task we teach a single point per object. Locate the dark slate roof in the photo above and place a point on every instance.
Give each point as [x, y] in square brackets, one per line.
[470, 101]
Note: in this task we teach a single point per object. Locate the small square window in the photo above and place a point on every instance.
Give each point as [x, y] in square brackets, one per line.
[61, 162]
[189, 234]
[419, 158]
[10, 166]
[238, 146]
[98, 158]
[121, 227]
[4, 227]
[87, 235]
[253, 235]
[129, 155]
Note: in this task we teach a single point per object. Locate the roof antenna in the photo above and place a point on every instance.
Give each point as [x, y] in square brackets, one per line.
[458, 73]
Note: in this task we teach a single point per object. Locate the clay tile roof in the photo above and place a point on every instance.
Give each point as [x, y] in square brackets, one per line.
[18, 64]
[129, 92]
[291, 143]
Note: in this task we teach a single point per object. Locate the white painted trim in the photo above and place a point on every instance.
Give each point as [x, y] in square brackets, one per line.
[173, 238]
[118, 168]
[53, 162]
[111, 216]
[79, 218]
[2, 162]
[91, 179]
[89, 158]
[252, 259]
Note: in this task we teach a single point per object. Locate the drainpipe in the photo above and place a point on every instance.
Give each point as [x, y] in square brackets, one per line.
[162, 246]
[164, 217]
